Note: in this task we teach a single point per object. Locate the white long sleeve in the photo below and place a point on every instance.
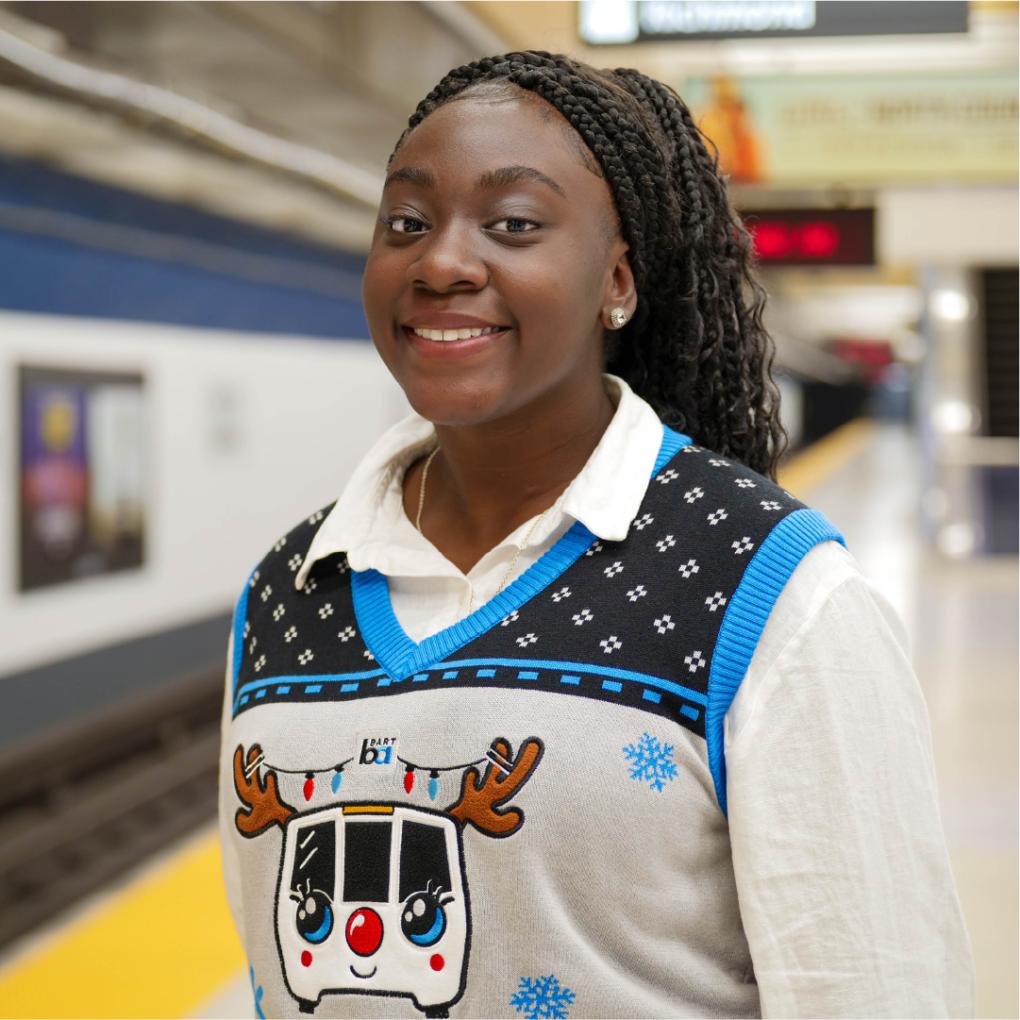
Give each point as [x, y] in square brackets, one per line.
[845, 889]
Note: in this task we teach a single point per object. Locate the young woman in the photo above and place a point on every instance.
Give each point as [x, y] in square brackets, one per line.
[564, 707]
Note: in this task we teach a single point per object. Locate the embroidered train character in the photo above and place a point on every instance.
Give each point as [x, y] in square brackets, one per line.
[372, 897]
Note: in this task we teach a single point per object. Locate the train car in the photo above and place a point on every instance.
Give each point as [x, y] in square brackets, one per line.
[373, 900]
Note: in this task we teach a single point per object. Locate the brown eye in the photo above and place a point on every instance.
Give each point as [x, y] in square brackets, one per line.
[390, 222]
[517, 220]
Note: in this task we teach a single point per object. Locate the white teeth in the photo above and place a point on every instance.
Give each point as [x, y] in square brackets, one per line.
[445, 335]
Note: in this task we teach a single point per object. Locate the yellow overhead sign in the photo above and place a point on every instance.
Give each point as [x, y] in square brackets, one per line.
[815, 130]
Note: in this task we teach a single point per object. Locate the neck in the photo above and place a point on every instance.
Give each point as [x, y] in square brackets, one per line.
[492, 477]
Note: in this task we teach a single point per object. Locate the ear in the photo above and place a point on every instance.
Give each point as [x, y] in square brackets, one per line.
[619, 291]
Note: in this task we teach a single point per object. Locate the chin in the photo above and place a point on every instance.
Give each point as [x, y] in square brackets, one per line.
[456, 406]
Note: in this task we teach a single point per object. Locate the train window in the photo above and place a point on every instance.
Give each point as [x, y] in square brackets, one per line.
[423, 859]
[315, 859]
[367, 861]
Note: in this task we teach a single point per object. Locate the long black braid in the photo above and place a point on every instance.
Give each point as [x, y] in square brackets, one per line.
[696, 348]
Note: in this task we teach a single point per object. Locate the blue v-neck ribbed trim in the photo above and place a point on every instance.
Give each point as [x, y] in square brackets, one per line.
[400, 656]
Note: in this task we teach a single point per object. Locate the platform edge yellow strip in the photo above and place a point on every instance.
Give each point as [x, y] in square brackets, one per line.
[812, 466]
[158, 948]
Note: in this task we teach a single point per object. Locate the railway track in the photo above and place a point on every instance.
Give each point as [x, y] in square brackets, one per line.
[87, 801]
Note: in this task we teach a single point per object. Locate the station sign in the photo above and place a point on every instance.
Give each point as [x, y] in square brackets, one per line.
[609, 22]
[812, 237]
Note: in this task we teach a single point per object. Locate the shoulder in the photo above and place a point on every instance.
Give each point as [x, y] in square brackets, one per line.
[746, 536]
[823, 570]
[835, 631]
[683, 460]
[719, 497]
[284, 558]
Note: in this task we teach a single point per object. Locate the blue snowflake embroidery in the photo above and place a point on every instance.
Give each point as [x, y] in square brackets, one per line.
[542, 997]
[651, 761]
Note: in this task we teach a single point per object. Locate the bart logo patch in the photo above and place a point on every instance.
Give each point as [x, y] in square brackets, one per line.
[378, 750]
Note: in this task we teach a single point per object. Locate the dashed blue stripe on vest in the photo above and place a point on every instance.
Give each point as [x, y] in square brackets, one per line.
[590, 680]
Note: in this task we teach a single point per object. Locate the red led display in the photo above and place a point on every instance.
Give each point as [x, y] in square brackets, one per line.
[812, 237]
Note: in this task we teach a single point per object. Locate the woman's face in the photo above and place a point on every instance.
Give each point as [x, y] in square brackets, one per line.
[489, 218]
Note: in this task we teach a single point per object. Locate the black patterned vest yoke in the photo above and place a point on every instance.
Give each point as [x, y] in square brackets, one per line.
[665, 621]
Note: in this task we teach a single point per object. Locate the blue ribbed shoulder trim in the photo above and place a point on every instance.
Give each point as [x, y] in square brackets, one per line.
[240, 614]
[672, 443]
[745, 618]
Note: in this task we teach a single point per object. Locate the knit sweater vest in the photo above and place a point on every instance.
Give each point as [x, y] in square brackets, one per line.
[524, 814]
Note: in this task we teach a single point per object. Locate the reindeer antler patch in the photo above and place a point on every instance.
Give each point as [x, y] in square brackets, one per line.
[263, 807]
[482, 796]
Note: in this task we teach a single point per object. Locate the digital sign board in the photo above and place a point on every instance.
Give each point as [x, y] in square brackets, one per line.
[609, 22]
[812, 237]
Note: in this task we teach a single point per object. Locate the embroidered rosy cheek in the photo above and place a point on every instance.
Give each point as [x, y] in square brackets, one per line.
[437, 962]
[306, 959]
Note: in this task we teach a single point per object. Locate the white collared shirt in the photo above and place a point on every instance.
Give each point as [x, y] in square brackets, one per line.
[846, 895]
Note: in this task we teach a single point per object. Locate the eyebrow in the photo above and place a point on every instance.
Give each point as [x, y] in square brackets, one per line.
[500, 178]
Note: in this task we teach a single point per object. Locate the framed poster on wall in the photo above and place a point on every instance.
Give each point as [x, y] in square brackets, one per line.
[81, 474]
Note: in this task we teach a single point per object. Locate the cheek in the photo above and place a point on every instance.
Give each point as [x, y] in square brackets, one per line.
[374, 286]
[559, 300]
[380, 291]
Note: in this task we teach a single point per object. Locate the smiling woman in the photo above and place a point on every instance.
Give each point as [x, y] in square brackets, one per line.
[565, 707]
[507, 252]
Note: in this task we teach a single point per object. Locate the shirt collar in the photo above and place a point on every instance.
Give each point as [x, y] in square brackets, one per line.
[604, 496]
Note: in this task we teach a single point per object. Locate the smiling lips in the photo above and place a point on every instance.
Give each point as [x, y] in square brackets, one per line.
[429, 328]
[455, 343]
[448, 335]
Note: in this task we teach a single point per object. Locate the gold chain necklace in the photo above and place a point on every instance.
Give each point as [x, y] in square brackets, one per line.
[520, 545]
[421, 486]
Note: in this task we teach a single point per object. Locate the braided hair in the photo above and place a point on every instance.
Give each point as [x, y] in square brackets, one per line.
[696, 348]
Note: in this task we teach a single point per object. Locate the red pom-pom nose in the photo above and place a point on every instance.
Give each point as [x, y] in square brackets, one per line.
[364, 931]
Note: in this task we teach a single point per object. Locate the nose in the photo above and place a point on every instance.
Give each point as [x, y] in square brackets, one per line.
[449, 260]
[364, 931]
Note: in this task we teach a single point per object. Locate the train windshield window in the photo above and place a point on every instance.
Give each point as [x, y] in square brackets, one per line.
[315, 859]
[367, 861]
[423, 859]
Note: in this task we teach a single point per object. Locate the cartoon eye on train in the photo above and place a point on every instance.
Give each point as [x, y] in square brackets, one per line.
[372, 898]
